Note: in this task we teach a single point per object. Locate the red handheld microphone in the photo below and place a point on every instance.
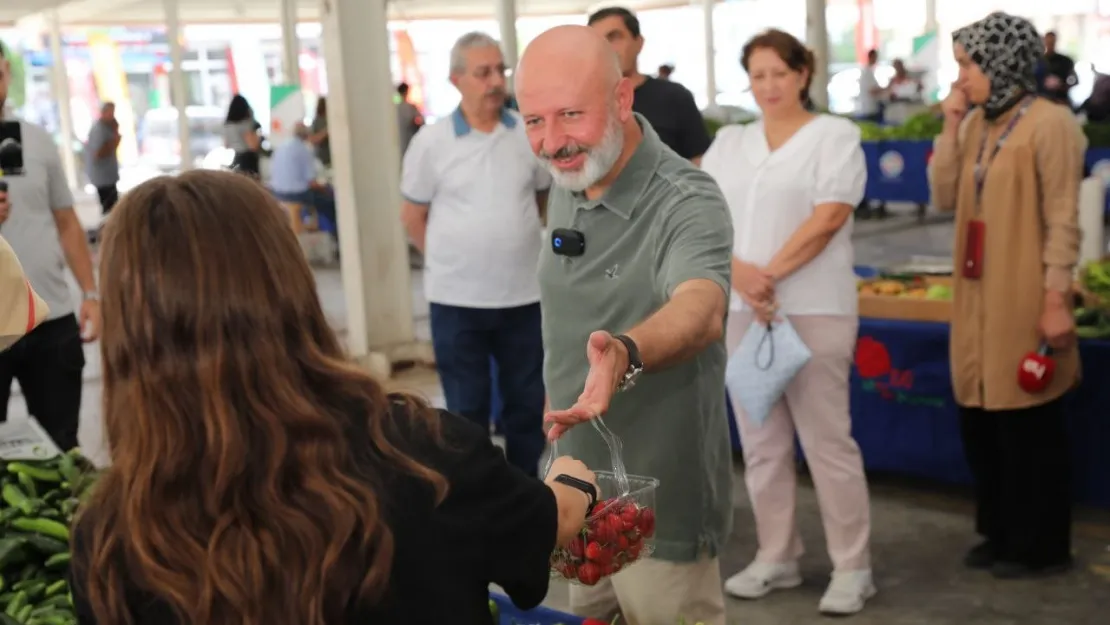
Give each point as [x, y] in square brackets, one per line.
[1036, 370]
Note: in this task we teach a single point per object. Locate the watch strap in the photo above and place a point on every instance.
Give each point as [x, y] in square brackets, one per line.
[582, 485]
[634, 361]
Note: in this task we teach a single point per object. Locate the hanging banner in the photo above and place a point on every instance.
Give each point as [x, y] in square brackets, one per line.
[286, 110]
[410, 68]
[867, 31]
[111, 86]
[925, 62]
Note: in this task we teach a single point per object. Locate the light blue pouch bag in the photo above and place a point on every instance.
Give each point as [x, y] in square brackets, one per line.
[768, 358]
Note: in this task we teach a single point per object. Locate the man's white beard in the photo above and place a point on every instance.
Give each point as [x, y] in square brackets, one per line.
[599, 160]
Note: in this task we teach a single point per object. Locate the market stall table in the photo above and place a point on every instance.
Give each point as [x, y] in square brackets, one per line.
[906, 421]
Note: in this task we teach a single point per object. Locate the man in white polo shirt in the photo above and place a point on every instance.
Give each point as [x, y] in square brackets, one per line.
[473, 198]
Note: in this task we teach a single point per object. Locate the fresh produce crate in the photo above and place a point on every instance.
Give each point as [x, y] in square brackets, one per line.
[908, 298]
[39, 499]
[618, 532]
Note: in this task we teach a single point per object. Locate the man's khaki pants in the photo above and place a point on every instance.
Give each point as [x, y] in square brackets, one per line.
[656, 592]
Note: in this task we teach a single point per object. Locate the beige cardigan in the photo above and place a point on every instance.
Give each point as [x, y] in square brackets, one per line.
[1030, 208]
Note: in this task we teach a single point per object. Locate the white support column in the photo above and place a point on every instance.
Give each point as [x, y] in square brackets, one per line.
[366, 158]
[61, 91]
[290, 44]
[710, 53]
[179, 88]
[930, 15]
[506, 19]
[817, 37]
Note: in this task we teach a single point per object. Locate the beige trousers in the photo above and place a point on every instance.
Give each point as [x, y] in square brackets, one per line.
[656, 592]
[815, 406]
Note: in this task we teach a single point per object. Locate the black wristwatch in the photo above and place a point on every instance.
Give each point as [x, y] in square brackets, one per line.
[582, 485]
[635, 365]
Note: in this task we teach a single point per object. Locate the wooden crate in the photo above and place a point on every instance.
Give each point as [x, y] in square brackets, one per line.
[906, 308]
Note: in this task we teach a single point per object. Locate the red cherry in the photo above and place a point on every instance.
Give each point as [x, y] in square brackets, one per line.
[647, 522]
[589, 574]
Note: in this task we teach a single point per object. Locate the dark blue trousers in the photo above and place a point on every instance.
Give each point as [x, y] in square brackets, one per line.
[465, 340]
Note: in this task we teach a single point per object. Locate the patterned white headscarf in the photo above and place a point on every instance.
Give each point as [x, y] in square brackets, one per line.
[1008, 49]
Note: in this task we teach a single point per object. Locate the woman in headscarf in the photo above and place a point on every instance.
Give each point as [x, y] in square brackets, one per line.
[1010, 164]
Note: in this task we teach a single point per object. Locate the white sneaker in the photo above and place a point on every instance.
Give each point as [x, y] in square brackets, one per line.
[847, 593]
[760, 578]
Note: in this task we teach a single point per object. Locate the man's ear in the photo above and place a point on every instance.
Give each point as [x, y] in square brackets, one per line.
[625, 93]
[639, 41]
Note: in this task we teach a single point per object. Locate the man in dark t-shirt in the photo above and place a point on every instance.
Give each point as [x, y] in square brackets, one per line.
[1057, 76]
[668, 106]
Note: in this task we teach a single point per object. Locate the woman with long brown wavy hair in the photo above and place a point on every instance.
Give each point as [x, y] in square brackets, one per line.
[257, 477]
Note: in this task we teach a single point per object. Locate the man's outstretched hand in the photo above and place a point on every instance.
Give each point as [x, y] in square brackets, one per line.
[608, 360]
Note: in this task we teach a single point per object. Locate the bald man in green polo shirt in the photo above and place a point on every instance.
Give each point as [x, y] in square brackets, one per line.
[633, 326]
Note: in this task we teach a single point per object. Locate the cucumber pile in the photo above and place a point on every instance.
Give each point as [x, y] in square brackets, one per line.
[39, 499]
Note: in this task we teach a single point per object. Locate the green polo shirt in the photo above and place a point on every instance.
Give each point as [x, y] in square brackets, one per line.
[661, 223]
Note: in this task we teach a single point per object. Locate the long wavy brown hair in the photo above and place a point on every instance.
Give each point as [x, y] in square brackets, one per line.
[249, 457]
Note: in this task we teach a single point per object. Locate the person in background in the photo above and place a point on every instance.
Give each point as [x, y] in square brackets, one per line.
[1016, 207]
[319, 137]
[868, 107]
[902, 86]
[792, 180]
[101, 160]
[625, 310]
[352, 506]
[38, 220]
[293, 175]
[665, 72]
[241, 136]
[1097, 106]
[1056, 73]
[668, 106]
[409, 119]
[473, 197]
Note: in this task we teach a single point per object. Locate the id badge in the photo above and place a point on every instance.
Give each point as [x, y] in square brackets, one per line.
[974, 242]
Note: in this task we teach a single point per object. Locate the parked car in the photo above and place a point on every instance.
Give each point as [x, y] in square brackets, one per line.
[161, 147]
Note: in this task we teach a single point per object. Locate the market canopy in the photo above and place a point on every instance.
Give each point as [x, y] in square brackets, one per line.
[150, 12]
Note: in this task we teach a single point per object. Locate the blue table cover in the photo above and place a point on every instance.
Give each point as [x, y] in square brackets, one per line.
[1098, 159]
[906, 421]
[896, 171]
[511, 615]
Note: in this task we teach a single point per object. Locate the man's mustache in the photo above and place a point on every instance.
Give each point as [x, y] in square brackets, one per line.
[567, 151]
[496, 91]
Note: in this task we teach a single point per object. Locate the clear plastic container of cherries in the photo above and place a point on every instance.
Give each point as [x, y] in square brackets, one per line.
[620, 529]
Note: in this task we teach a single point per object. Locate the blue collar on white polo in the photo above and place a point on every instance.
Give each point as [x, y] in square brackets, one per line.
[462, 127]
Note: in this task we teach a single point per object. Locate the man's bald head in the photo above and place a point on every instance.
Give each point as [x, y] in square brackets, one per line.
[577, 51]
[576, 105]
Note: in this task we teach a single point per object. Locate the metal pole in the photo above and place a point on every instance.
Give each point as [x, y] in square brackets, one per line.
[61, 92]
[710, 53]
[817, 34]
[506, 19]
[290, 44]
[178, 86]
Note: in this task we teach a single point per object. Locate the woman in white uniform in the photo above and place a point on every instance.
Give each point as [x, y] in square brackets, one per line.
[792, 180]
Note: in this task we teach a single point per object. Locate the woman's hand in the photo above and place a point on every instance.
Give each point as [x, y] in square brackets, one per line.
[572, 503]
[751, 282]
[955, 108]
[1057, 321]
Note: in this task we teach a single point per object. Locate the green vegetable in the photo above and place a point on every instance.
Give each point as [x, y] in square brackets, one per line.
[58, 560]
[16, 498]
[35, 472]
[46, 527]
[11, 550]
[16, 604]
[57, 587]
[28, 485]
[8, 620]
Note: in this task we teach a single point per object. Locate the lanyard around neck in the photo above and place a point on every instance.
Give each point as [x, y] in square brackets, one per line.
[981, 167]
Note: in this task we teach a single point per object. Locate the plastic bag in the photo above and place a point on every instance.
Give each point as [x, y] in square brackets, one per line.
[619, 531]
[768, 358]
